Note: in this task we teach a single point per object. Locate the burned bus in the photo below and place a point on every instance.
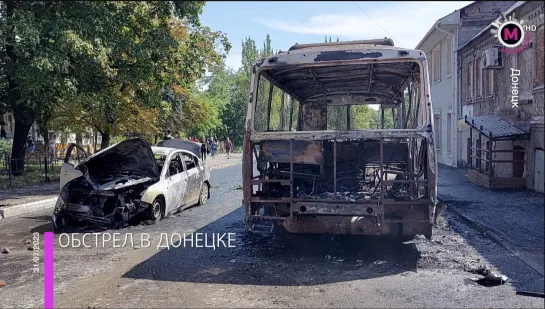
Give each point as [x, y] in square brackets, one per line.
[339, 139]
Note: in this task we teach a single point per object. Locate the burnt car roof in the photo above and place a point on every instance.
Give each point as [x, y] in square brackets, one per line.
[190, 146]
[129, 157]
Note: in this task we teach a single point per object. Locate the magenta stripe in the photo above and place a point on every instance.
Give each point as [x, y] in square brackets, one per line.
[48, 269]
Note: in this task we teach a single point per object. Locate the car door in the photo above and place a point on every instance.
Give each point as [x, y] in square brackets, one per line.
[68, 170]
[176, 183]
[193, 185]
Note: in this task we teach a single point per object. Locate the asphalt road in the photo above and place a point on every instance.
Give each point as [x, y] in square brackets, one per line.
[299, 271]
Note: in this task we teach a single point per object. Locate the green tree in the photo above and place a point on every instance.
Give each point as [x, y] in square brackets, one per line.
[94, 56]
[107, 62]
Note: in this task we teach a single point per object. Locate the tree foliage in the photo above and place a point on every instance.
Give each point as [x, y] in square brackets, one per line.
[104, 64]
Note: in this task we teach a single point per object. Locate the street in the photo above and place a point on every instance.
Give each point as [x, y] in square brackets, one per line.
[283, 271]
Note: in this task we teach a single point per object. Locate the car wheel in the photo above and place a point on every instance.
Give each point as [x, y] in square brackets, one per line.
[203, 197]
[156, 210]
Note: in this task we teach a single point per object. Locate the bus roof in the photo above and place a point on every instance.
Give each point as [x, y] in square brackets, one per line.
[385, 41]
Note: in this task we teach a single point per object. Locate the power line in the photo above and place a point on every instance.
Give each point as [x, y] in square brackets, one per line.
[357, 6]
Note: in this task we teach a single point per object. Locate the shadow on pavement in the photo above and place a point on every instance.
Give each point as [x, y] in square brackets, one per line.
[288, 261]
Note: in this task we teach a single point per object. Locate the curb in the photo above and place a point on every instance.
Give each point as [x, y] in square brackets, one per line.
[489, 233]
[225, 166]
[17, 210]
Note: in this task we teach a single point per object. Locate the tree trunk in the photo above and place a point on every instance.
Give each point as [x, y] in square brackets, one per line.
[79, 139]
[19, 145]
[46, 142]
[105, 143]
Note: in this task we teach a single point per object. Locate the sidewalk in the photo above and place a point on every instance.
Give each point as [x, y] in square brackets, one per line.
[35, 194]
[514, 217]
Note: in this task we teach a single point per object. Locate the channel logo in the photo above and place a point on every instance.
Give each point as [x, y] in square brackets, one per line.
[510, 32]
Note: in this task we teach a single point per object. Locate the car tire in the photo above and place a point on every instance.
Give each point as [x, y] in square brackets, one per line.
[156, 211]
[203, 195]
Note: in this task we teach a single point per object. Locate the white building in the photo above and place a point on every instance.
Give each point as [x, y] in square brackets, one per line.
[440, 45]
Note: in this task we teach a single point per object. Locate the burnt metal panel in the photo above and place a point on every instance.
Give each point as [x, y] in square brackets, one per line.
[306, 152]
[371, 208]
[345, 55]
[314, 117]
[393, 152]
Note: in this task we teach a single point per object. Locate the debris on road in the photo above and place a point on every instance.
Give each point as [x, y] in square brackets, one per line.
[2, 284]
[5, 250]
[490, 278]
[28, 241]
[379, 262]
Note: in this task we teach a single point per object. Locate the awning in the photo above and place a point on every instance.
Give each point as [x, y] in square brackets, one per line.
[494, 127]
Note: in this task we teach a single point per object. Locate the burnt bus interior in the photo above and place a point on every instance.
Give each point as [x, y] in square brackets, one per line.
[348, 174]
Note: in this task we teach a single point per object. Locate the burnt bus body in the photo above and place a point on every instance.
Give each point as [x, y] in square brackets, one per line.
[339, 140]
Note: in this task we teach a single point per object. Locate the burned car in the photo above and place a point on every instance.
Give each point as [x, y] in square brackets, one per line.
[127, 181]
[340, 140]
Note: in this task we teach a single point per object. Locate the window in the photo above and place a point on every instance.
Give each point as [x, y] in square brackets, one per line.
[449, 133]
[160, 159]
[470, 80]
[438, 132]
[449, 56]
[262, 104]
[337, 117]
[436, 54]
[290, 115]
[538, 80]
[175, 166]
[479, 78]
[489, 83]
[190, 161]
[273, 108]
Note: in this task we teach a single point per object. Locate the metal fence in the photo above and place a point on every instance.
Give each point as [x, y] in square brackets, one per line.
[38, 168]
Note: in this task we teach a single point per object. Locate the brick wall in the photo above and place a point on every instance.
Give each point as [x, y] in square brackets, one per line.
[498, 101]
[477, 16]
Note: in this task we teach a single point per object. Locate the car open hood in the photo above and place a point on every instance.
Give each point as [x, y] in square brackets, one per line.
[190, 146]
[132, 157]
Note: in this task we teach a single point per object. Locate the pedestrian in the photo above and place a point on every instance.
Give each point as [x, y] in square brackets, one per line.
[204, 150]
[213, 148]
[30, 145]
[168, 136]
[228, 147]
[52, 145]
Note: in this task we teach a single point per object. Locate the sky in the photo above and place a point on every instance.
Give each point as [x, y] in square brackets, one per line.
[290, 22]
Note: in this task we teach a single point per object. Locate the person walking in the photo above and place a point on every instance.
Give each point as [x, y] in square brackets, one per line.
[228, 147]
[213, 148]
[168, 135]
[203, 151]
[52, 144]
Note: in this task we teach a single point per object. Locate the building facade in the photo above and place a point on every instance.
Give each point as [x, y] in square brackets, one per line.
[487, 77]
[440, 45]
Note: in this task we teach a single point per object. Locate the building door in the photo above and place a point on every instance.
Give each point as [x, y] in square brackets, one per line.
[538, 170]
[518, 167]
